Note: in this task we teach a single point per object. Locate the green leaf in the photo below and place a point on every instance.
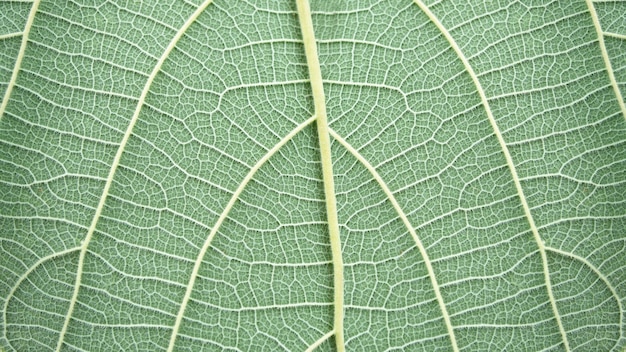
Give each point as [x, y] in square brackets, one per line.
[368, 176]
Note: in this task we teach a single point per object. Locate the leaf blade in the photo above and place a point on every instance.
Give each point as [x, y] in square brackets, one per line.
[414, 155]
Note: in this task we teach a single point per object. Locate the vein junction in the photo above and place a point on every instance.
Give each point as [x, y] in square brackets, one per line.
[315, 75]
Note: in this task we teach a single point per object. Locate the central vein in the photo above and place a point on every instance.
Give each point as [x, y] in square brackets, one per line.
[315, 75]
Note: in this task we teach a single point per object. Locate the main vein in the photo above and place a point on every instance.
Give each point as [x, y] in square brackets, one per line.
[315, 75]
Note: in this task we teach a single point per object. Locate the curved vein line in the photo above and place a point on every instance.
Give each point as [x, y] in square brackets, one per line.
[116, 162]
[10, 35]
[509, 161]
[605, 57]
[20, 56]
[73, 88]
[615, 35]
[320, 341]
[22, 278]
[601, 276]
[258, 308]
[220, 220]
[410, 228]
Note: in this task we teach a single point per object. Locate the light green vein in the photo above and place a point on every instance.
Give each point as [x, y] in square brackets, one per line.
[601, 276]
[218, 224]
[10, 35]
[615, 35]
[605, 57]
[510, 164]
[23, 277]
[410, 228]
[319, 100]
[320, 341]
[20, 57]
[115, 164]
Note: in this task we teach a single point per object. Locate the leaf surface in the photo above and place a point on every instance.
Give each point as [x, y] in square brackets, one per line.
[173, 176]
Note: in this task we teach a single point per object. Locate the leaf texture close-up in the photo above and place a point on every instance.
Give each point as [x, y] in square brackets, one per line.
[389, 175]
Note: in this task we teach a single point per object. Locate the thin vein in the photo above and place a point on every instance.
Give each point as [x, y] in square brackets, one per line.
[115, 37]
[511, 165]
[115, 164]
[479, 309]
[204, 343]
[92, 58]
[615, 35]
[82, 89]
[260, 308]
[371, 308]
[419, 342]
[530, 31]
[121, 299]
[10, 35]
[321, 340]
[535, 324]
[20, 57]
[145, 278]
[60, 132]
[90, 116]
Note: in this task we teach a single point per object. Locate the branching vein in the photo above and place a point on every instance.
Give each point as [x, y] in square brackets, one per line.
[605, 57]
[411, 229]
[510, 164]
[315, 74]
[115, 164]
